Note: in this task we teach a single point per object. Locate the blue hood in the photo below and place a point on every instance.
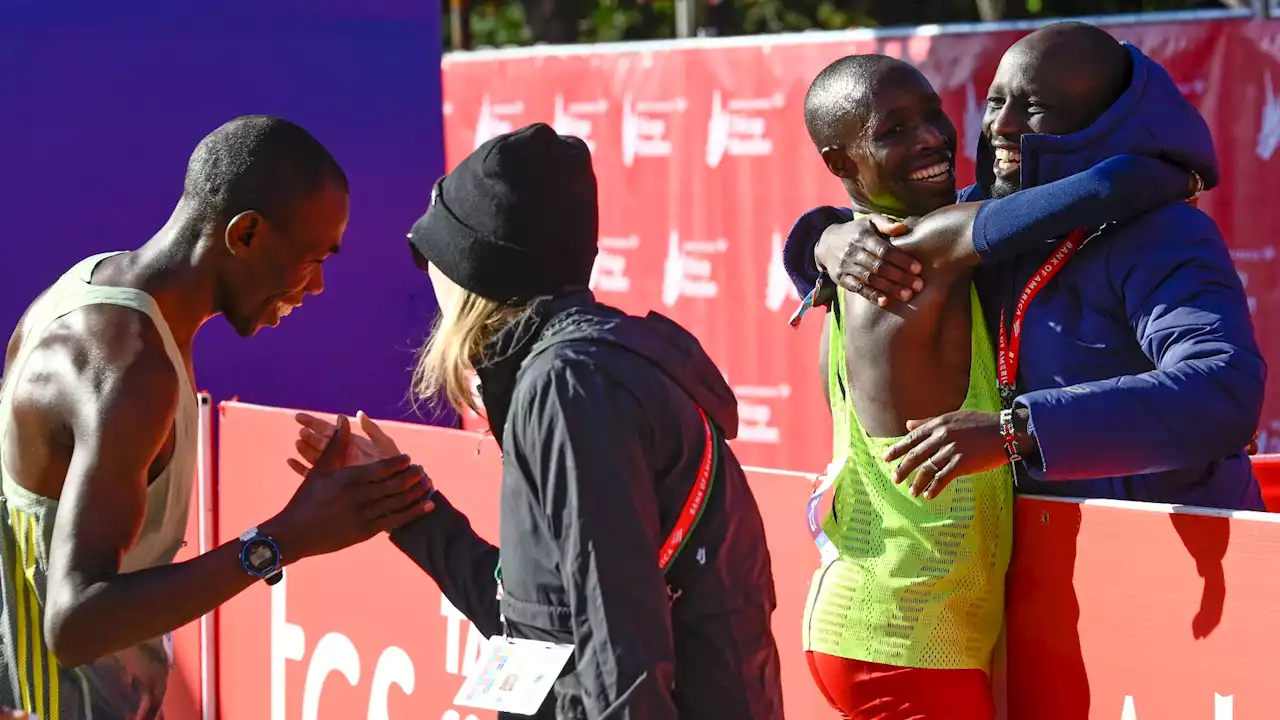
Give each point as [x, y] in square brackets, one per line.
[1151, 118]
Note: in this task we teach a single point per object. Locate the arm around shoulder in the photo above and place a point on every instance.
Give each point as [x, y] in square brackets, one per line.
[802, 241]
[1116, 189]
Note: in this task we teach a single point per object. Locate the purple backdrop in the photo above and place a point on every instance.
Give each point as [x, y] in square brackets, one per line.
[103, 102]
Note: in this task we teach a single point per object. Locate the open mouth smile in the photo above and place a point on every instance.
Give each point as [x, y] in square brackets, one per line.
[936, 173]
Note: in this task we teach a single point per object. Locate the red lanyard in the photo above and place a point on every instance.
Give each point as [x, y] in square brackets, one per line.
[1010, 343]
[689, 515]
[696, 502]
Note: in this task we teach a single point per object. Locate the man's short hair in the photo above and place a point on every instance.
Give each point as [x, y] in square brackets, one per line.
[840, 93]
[257, 162]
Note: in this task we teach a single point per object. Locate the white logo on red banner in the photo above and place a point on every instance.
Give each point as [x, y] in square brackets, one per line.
[609, 274]
[1244, 256]
[1265, 254]
[736, 127]
[573, 118]
[333, 653]
[493, 119]
[778, 289]
[755, 412]
[645, 127]
[1244, 282]
[687, 271]
[1269, 132]
[1224, 708]
[1264, 438]
[1193, 90]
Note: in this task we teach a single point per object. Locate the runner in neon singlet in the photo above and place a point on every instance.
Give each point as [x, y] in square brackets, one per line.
[906, 617]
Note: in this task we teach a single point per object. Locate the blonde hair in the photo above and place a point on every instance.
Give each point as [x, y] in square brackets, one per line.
[447, 360]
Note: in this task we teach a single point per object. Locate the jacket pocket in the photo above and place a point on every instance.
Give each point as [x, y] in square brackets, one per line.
[554, 619]
[568, 699]
[549, 623]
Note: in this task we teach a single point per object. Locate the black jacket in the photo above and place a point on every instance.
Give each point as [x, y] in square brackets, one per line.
[595, 412]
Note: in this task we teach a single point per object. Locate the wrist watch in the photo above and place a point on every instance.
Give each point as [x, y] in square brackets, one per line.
[260, 556]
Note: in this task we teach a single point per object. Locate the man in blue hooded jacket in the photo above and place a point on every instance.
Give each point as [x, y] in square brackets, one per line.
[1138, 376]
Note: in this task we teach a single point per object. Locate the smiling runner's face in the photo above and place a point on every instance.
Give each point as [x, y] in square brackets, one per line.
[900, 147]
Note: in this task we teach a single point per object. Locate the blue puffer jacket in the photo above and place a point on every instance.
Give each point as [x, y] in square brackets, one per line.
[1139, 364]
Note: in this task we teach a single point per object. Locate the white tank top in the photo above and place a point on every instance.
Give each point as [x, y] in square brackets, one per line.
[129, 684]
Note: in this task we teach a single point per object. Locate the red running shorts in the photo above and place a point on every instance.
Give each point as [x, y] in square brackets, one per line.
[871, 691]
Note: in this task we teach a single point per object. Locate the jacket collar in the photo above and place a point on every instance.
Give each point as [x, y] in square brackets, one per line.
[506, 352]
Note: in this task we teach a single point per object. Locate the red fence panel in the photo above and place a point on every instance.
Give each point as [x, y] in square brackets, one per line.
[1130, 611]
[361, 633]
[1111, 605]
[364, 632]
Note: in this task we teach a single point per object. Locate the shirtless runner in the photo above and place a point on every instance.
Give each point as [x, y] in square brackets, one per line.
[98, 432]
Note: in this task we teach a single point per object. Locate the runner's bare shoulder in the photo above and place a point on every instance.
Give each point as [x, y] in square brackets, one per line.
[15, 340]
[96, 372]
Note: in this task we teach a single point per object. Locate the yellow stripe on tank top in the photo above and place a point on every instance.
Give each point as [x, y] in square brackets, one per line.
[55, 679]
[17, 523]
[38, 652]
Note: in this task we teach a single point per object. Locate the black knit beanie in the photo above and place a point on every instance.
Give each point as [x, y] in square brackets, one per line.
[516, 219]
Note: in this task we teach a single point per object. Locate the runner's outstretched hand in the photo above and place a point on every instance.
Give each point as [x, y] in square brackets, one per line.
[315, 433]
[339, 505]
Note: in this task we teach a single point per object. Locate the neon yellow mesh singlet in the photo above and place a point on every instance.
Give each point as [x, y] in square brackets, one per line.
[918, 583]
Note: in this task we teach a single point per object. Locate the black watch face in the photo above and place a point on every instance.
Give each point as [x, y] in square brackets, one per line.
[260, 555]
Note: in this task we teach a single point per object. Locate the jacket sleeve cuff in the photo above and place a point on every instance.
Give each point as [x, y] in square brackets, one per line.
[797, 254]
[1037, 465]
[981, 240]
[431, 531]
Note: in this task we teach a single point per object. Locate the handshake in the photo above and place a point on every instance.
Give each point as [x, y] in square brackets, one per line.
[353, 487]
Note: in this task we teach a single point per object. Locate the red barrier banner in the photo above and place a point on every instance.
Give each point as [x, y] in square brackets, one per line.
[364, 632]
[703, 163]
[1130, 611]
[1116, 610]
[360, 633]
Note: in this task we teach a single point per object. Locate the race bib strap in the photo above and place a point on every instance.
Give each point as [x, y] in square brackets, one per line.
[820, 502]
[1009, 343]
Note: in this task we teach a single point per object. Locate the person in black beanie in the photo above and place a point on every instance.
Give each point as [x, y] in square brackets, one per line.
[628, 532]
